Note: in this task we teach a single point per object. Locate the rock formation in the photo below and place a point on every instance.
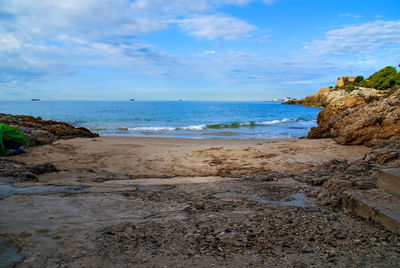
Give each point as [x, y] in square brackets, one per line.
[355, 115]
[336, 176]
[42, 132]
[352, 120]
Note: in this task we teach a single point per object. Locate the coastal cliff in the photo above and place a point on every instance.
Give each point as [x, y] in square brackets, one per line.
[355, 114]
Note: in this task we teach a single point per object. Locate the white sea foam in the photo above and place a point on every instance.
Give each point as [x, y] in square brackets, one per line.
[153, 129]
[274, 122]
[196, 127]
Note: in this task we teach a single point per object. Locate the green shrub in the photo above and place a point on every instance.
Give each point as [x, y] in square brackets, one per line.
[349, 88]
[383, 79]
[359, 79]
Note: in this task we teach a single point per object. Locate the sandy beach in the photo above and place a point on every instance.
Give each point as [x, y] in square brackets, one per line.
[163, 157]
[155, 202]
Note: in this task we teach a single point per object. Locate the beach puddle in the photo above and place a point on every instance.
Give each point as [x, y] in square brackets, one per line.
[9, 190]
[153, 187]
[298, 200]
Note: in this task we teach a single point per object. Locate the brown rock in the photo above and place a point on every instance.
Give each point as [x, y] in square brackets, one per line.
[293, 102]
[351, 120]
[41, 132]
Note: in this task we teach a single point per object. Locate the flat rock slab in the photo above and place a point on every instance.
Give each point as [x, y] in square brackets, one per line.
[374, 205]
[389, 180]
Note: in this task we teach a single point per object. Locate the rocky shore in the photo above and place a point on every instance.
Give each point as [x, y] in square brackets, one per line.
[362, 116]
[356, 118]
[41, 132]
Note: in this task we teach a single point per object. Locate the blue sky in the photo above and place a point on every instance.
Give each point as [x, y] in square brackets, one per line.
[190, 49]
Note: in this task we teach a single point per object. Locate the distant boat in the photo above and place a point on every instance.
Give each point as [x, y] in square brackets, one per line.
[131, 99]
[35, 99]
[180, 99]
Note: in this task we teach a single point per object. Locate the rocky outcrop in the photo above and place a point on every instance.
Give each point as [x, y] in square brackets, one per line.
[351, 120]
[356, 116]
[339, 97]
[336, 177]
[301, 102]
[16, 169]
[42, 132]
[357, 186]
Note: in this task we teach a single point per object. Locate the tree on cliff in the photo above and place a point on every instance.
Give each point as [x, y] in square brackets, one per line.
[383, 79]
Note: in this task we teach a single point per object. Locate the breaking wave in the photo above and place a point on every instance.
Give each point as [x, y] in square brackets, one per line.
[214, 126]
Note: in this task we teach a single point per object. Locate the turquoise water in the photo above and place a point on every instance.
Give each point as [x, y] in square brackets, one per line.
[186, 119]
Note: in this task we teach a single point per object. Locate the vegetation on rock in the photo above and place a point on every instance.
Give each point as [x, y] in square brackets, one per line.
[385, 78]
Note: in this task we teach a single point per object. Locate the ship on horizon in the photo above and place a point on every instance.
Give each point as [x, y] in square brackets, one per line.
[131, 99]
[35, 99]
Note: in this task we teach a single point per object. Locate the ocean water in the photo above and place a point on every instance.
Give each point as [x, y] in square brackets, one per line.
[186, 119]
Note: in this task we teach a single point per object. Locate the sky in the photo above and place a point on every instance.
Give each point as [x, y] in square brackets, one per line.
[237, 50]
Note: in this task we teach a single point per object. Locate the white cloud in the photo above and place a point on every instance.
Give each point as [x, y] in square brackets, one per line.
[363, 39]
[72, 31]
[216, 26]
[49, 38]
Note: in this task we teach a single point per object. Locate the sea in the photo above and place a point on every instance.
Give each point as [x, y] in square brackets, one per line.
[178, 119]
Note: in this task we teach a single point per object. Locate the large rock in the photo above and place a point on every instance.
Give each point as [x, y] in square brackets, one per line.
[41, 132]
[352, 120]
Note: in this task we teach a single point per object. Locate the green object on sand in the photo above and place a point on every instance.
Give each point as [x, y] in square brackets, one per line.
[11, 134]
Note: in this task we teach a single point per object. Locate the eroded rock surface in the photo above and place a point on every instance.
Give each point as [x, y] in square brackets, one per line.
[352, 122]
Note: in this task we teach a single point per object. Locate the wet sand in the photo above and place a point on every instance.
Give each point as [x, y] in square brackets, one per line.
[162, 157]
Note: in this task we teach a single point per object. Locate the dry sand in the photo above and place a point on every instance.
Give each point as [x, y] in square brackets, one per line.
[162, 157]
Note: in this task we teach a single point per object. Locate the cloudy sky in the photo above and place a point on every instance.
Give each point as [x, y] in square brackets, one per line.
[190, 49]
